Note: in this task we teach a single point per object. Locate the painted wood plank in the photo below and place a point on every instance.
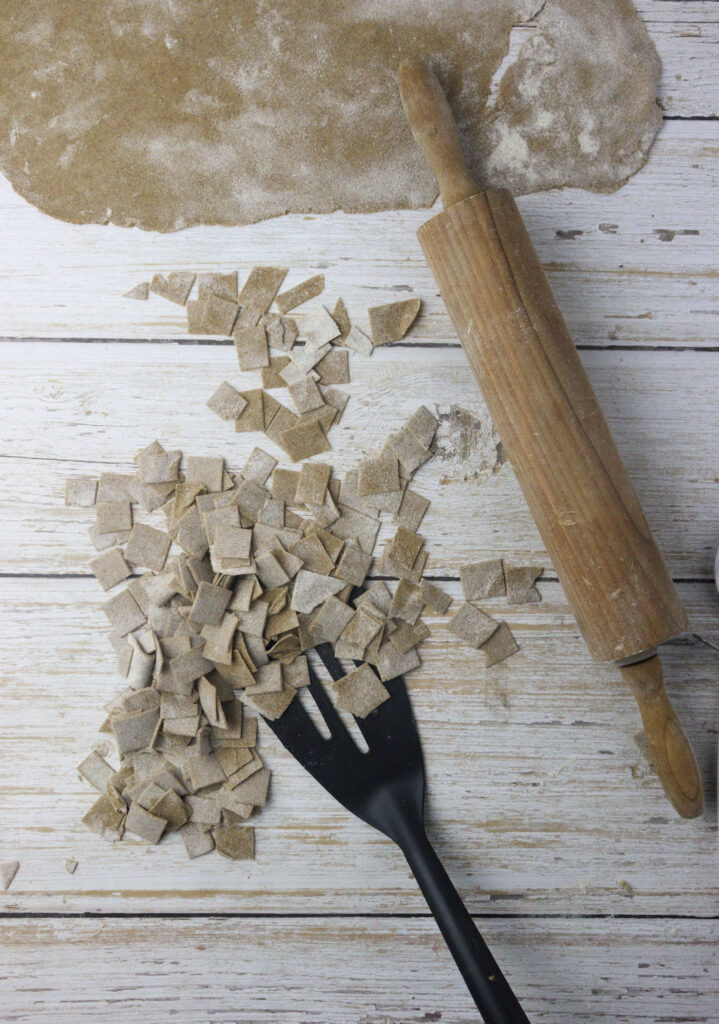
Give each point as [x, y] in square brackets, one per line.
[539, 799]
[617, 276]
[80, 409]
[613, 293]
[686, 35]
[350, 971]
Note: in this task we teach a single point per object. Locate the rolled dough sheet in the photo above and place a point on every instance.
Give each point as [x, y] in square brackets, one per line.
[165, 115]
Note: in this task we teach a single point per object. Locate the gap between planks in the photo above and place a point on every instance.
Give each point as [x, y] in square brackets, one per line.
[545, 578]
[130, 915]
[225, 342]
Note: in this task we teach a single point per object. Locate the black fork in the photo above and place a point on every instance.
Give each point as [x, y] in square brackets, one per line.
[385, 787]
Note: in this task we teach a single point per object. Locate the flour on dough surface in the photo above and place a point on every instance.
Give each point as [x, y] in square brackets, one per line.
[165, 115]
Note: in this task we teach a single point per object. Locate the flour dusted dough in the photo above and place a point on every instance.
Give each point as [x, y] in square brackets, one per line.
[165, 115]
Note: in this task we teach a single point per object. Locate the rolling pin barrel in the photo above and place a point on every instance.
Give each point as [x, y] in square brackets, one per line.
[551, 426]
[552, 429]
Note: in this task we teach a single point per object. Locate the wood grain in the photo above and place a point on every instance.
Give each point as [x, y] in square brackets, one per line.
[80, 409]
[427, 111]
[539, 800]
[617, 276]
[350, 971]
[669, 749]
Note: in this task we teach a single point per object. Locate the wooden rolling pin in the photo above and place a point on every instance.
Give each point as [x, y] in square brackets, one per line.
[553, 430]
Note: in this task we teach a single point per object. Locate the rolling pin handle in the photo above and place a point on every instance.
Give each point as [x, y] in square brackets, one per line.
[435, 132]
[669, 747]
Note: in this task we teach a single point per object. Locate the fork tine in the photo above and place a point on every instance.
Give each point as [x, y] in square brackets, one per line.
[369, 727]
[376, 727]
[327, 709]
[329, 660]
[390, 723]
[296, 731]
[323, 758]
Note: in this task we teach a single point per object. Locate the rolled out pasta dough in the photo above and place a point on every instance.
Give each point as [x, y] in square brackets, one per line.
[168, 113]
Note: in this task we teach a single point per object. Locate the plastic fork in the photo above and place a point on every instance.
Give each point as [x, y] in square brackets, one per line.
[385, 787]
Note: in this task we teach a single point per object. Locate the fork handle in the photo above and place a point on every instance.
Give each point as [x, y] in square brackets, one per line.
[490, 990]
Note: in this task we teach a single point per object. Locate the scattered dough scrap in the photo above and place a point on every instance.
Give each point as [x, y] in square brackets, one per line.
[341, 317]
[143, 824]
[113, 516]
[390, 663]
[105, 819]
[353, 565]
[81, 492]
[358, 341]
[304, 440]
[407, 603]
[482, 580]
[205, 470]
[235, 841]
[334, 368]
[259, 466]
[110, 568]
[520, 584]
[317, 327]
[228, 403]
[170, 808]
[216, 316]
[195, 309]
[330, 620]
[302, 360]
[124, 613]
[435, 598]
[176, 286]
[294, 297]
[271, 374]
[158, 467]
[8, 870]
[223, 285]
[281, 331]
[306, 395]
[245, 569]
[258, 291]
[140, 291]
[114, 487]
[311, 590]
[197, 840]
[405, 548]
[412, 509]
[406, 637]
[472, 625]
[423, 425]
[96, 770]
[209, 604]
[147, 547]
[378, 475]
[251, 345]
[312, 483]
[252, 417]
[360, 692]
[500, 645]
[391, 322]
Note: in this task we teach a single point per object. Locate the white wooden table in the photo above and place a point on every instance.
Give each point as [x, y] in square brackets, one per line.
[600, 902]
